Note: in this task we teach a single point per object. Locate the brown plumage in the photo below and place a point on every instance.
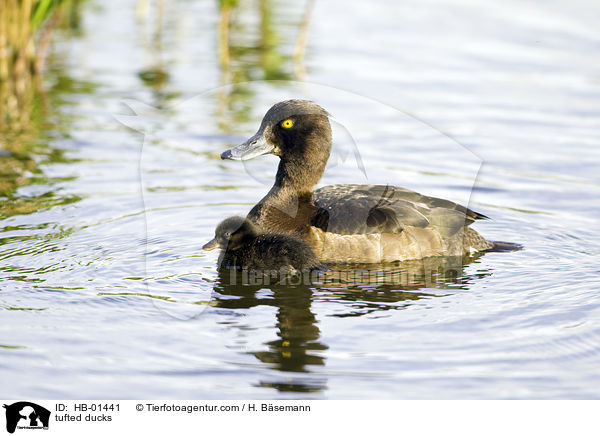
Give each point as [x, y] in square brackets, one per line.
[244, 246]
[348, 223]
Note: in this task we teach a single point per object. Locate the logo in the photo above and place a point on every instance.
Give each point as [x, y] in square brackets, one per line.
[26, 415]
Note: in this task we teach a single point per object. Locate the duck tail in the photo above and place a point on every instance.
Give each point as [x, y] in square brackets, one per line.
[500, 246]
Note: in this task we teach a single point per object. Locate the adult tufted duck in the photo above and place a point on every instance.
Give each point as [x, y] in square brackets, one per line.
[349, 223]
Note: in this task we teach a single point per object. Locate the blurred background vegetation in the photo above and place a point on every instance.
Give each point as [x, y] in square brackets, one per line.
[26, 28]
[26, 102]
[34, 84]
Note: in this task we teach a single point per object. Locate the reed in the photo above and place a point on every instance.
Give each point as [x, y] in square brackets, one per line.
[26, 27]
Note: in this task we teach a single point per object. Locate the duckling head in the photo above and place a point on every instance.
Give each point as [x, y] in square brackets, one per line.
[232, 233]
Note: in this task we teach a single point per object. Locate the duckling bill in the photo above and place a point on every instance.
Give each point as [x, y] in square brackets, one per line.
[244, 246]
[349, 223]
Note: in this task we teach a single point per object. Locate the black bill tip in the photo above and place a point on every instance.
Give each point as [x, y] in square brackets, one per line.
[211, 245]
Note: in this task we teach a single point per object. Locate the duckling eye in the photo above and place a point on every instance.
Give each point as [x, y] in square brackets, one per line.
[287, 123]
[227, 235]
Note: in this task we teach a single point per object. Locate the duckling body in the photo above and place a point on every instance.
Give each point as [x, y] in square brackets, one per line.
[348, 223]
[244, 246]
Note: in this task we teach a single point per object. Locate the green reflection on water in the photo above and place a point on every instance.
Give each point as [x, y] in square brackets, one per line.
[13, 347]
[25, 308]
[151, 34]
[28, 140]
[247, 50]
[247, 54]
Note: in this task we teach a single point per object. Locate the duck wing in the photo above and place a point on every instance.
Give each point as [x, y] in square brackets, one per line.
[360, 209]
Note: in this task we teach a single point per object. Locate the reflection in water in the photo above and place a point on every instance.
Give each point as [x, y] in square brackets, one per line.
[302, 39]
[298, 343]
[33, 122]
[151, 37]
[247, 52]
[26, 29]
[24, 153]
[373, 287]
[22, 159]
[362, 289]
[28, 106]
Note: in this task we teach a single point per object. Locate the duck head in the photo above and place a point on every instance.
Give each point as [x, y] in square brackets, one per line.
[292, 130]
[232, 233]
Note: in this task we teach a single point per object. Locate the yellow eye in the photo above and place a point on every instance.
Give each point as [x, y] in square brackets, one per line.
[287, 123]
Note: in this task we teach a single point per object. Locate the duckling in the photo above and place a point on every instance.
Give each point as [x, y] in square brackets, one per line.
[244, 246]
[349, 223]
